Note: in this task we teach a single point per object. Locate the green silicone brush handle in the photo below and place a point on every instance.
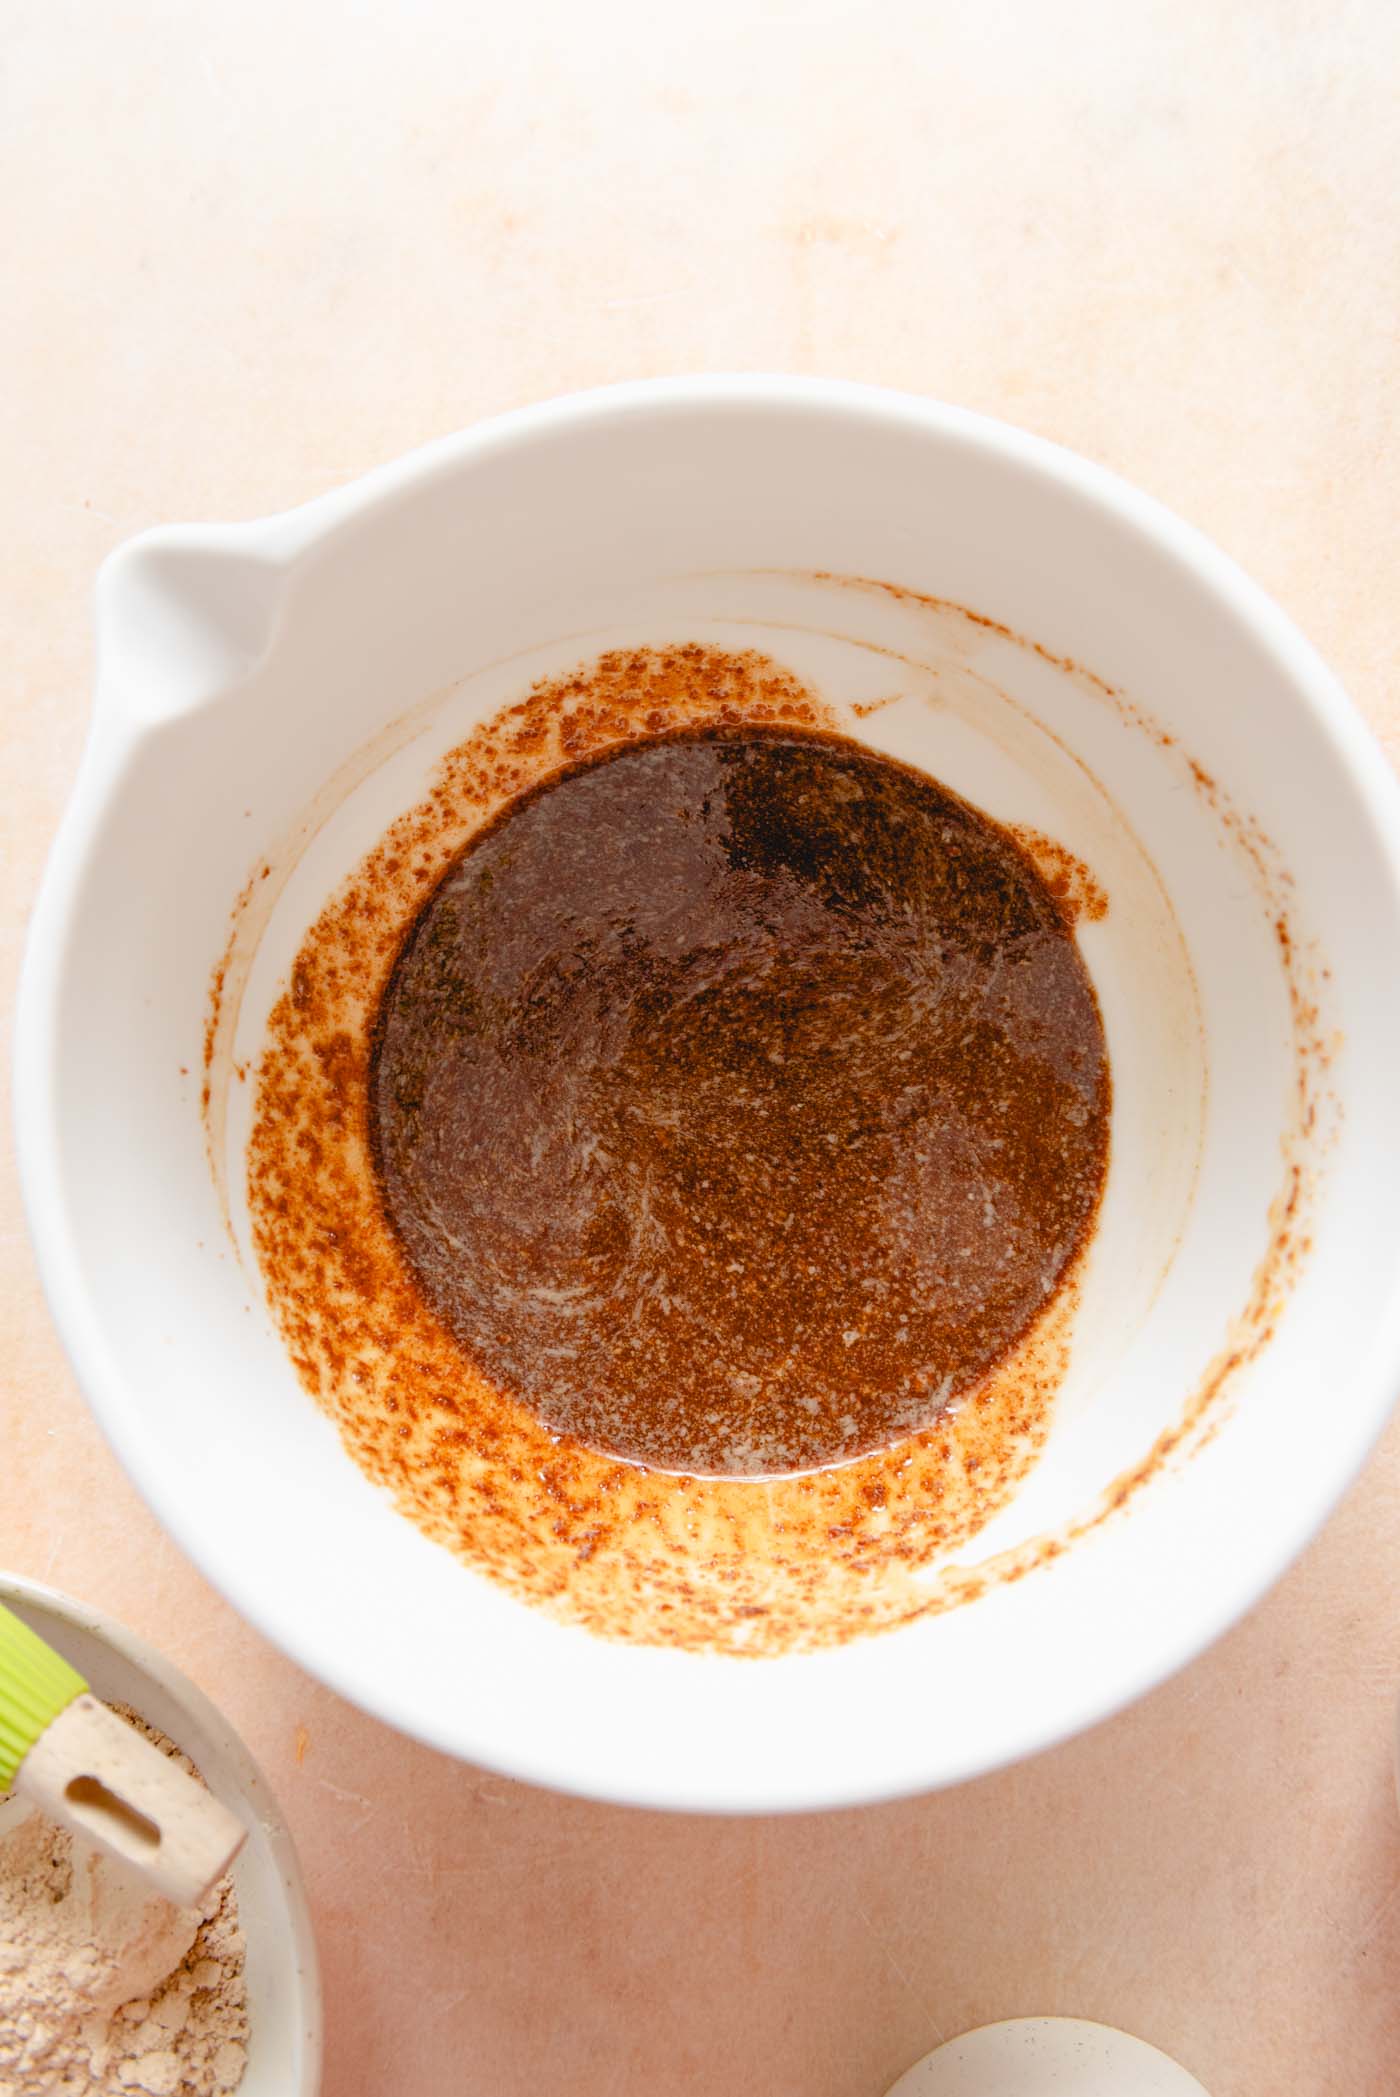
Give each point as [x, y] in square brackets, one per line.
[35, 1685]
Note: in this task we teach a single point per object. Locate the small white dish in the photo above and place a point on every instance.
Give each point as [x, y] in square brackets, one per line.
[1046, 2057]
[283, 1977]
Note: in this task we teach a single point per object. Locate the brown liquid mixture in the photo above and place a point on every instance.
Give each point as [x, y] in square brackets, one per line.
[739, 1099]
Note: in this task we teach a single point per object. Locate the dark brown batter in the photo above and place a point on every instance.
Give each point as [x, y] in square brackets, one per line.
[739, 1099]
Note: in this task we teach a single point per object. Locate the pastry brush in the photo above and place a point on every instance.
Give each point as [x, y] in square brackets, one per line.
[82, 1765]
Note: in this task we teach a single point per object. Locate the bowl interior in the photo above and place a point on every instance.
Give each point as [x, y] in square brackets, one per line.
[275, 695]
[284, 2005]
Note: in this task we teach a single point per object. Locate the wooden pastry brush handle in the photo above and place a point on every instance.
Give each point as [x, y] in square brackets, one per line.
[92, 1772]
[95, 1774]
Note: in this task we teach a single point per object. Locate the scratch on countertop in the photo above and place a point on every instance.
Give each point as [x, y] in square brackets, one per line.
[1357, 1940]
[347, 1798]
[935, 2029]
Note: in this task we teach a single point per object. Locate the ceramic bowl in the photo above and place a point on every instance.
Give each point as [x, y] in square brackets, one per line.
[284, 1986]
[1055, 646]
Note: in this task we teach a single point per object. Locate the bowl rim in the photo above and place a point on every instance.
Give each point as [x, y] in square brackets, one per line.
[147, 1660]
[286, 536]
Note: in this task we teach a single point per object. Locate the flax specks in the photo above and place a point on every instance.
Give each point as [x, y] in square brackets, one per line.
[692, 1561]
[740, 1099]
[752, 1566]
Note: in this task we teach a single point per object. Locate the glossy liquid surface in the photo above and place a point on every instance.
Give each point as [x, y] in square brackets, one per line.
[739, 1099]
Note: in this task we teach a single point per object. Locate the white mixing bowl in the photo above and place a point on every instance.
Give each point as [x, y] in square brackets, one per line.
[273, 693]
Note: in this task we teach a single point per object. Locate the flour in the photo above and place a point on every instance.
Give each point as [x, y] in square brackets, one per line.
[104, 1986]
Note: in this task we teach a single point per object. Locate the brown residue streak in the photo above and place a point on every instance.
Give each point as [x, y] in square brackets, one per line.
[903, 595]
[741, 1566]
[1249, 1336]
[221, 1011]
[216, 1003]
[1073, 885]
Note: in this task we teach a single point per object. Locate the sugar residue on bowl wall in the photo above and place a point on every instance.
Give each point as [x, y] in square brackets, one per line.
[1314, 1109]
[753, 1566]
[740, 1565]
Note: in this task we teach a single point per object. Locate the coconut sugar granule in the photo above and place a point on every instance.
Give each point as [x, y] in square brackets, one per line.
[104, 1986]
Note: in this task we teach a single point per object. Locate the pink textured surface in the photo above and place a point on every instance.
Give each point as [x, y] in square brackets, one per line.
[253, 251]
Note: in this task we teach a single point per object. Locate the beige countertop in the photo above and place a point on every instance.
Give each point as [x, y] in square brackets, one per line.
[252, 251]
